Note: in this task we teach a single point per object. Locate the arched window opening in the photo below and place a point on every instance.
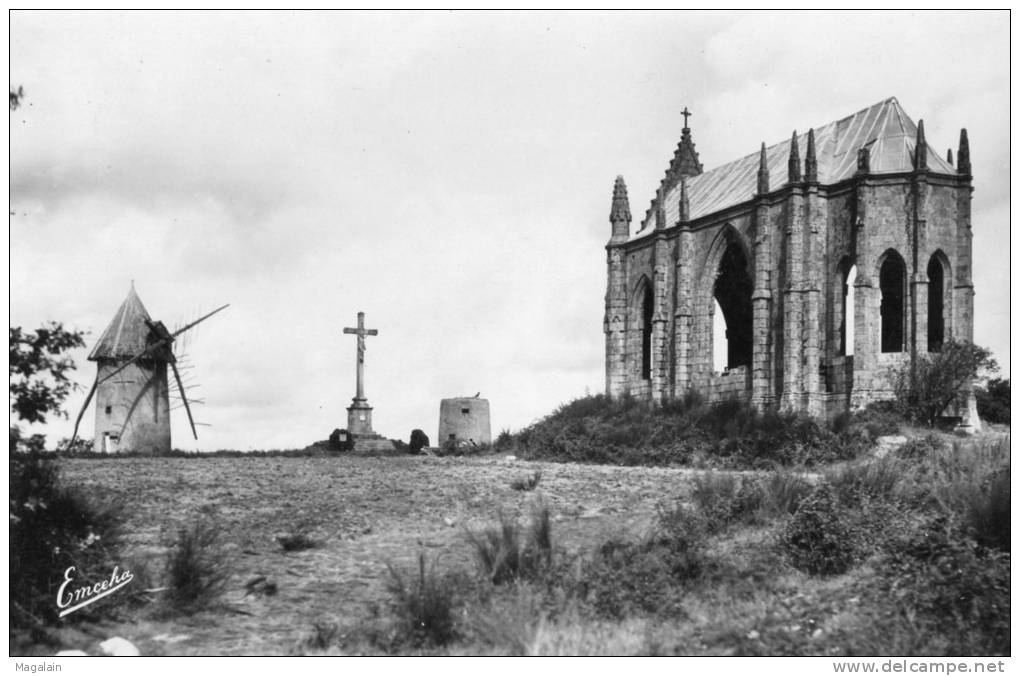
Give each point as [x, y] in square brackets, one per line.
[846, 329]
[936, 305]
[646, 335]
[719, 355]
[892, 282]
[733, 294]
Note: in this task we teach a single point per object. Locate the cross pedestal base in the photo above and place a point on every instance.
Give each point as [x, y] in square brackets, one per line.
[359, 418]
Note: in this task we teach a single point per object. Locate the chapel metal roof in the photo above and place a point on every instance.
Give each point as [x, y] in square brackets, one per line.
[128, 333]
[887, 131]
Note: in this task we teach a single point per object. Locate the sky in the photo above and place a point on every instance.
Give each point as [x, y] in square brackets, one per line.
[449, 174]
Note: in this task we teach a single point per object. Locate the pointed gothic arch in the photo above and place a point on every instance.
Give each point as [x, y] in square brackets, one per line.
[938, 299]
[728, 283]
[892, 283]
[846, 273]
[643, 307]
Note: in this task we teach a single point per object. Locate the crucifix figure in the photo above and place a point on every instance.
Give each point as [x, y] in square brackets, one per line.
[359, 414]
[686, 114]
[361, 332]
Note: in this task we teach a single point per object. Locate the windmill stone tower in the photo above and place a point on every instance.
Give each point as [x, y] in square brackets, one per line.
[132, 407]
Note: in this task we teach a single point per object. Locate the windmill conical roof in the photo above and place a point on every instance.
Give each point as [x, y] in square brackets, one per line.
[127, 334]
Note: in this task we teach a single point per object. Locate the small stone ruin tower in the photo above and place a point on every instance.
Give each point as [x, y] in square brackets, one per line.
[464, 419]
[133, 407]
[825, 263]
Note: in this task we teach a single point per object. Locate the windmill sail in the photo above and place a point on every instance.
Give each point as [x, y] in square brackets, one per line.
[132, 389]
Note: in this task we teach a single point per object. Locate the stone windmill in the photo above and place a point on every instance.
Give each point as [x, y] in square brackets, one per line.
[131, 386]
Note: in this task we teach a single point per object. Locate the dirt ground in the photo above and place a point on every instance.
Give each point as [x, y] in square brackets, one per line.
[366, 513]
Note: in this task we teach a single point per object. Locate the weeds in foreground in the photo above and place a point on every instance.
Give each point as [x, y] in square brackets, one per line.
[925, 578]
[527, 483]
[944, 594]
[423, 605]
[296, 542]
[820, 539]
[54, 528]
[197, 567]
[724, 499]
[508, 553]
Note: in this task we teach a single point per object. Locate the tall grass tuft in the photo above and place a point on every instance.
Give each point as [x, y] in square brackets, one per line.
[972, 484]
[197, 567]
[878, 479]
[423, 605]
[508, 553]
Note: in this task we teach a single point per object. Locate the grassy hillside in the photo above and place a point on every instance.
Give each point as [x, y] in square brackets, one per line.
[688, 432]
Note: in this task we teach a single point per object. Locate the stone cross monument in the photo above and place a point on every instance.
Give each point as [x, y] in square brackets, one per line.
[359, 413]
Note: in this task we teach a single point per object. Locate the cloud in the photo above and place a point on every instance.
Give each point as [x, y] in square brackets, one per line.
[449, 174]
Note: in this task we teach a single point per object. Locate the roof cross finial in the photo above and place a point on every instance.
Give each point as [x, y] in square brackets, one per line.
[686, 113]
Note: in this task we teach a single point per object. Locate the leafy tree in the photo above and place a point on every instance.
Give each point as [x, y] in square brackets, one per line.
[16, 96]
[993, 400]
[51, 526]
[925, 391]
[39, 370]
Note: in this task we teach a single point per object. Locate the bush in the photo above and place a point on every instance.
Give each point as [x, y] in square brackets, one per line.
[504, 441]
[296, 542]
[647, 577]
[624, 579]
[527, 483]
[986, 512]
[993, 401]
[784, 491]
[423, 605]
[879, 418]
[197, 567]
[921, 447]
[340, 441]
[683, 533]
[972, 487]
[926, 389]
[876, 479]
[730, 433]
[419, 440]
[948, 587]
[52, 528]
[506, 554]
[819, 539]
[724, 499]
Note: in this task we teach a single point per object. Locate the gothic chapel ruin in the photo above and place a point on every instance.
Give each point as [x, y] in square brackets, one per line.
[829, 267]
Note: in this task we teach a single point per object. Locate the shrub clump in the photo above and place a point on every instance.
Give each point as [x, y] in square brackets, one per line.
[423, 604]
[197, 567]
[731, 433]
[993, 400]
[858, 483]
[52, 528]
[529, 483]
[725, 499]
[418, 441]
[647, 577]
[296, 542]
[948, 588]
[820, 539]
[508, 553]
[933, 382]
